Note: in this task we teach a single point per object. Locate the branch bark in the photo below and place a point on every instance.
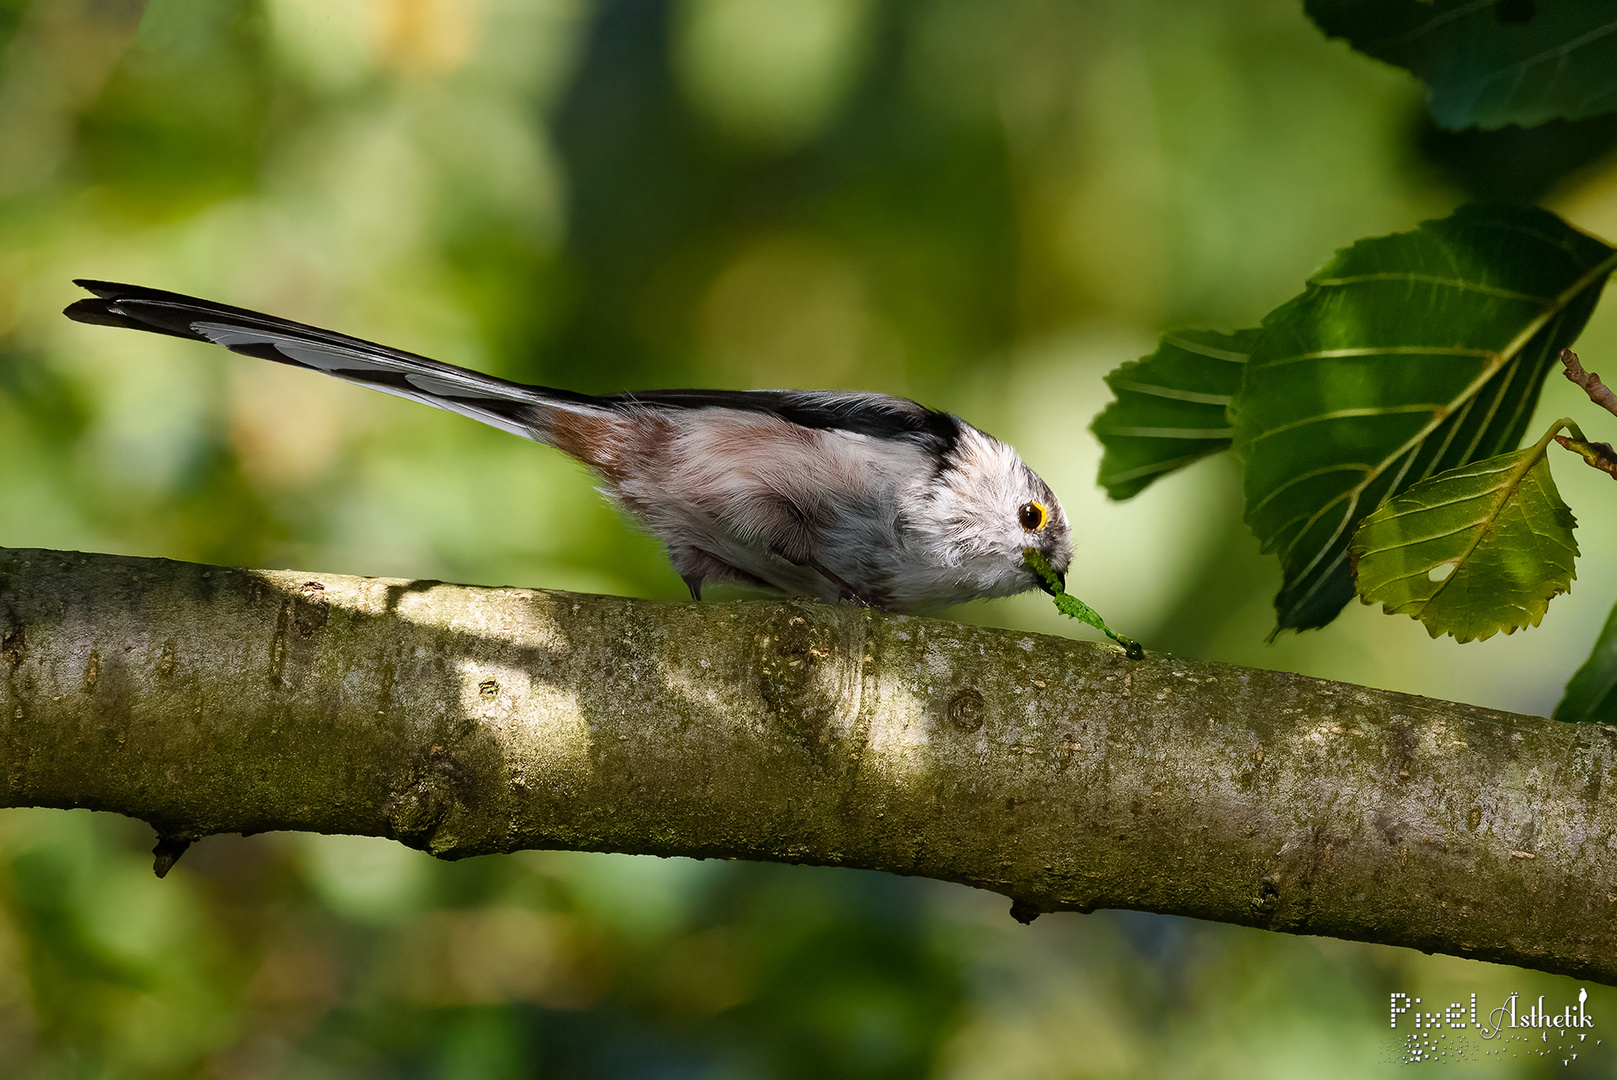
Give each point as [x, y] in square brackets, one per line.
[466, 720]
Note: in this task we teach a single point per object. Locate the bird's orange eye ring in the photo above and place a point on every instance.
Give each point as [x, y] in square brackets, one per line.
[1033, 516]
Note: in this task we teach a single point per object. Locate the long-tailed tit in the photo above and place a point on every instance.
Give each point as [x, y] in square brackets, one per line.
[833, 494]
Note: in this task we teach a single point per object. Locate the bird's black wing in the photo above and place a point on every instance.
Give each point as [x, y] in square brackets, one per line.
[879, 415]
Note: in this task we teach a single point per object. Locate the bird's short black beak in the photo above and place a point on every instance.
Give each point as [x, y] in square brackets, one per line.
[1061, 583]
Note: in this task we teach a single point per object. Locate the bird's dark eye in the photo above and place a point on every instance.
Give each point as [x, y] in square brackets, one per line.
[1033, 516]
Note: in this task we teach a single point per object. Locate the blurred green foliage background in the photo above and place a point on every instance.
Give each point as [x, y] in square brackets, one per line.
[983, 204]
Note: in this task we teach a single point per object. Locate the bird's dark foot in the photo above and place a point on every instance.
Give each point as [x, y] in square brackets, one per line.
[845, 592]
[697, 567]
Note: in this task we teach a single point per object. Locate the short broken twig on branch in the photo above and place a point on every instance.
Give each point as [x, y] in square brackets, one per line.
[1597, 455]
[1589, 382]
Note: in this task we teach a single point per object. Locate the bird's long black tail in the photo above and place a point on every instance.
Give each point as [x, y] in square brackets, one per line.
[514, 407]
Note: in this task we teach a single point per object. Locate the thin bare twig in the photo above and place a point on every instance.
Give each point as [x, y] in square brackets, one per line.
[1589, 381]
[1597, 455]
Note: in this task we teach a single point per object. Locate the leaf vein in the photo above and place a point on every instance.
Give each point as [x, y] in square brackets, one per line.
[1433, 279]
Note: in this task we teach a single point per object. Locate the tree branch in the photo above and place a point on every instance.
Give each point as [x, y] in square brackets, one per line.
[464, 720]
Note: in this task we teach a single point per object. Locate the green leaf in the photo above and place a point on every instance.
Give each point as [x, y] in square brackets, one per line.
[1491, 64]
[1592, 693]
[1170, 407]
[1074, 608]
[1473, 550]
[1407, 356]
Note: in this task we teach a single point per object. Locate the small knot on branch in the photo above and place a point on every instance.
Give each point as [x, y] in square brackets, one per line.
[11, 644]
[1589, 382]
[167, 852]
[1024, 912]
[1268, 896]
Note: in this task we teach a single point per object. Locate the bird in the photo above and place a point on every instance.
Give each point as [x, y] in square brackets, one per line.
[844, 496]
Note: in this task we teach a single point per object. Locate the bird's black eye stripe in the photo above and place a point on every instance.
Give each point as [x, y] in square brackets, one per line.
[1032, 516]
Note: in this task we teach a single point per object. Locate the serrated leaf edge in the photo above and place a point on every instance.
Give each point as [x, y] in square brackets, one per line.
[1119, 384]
[1521, 469]
[1554, 307]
